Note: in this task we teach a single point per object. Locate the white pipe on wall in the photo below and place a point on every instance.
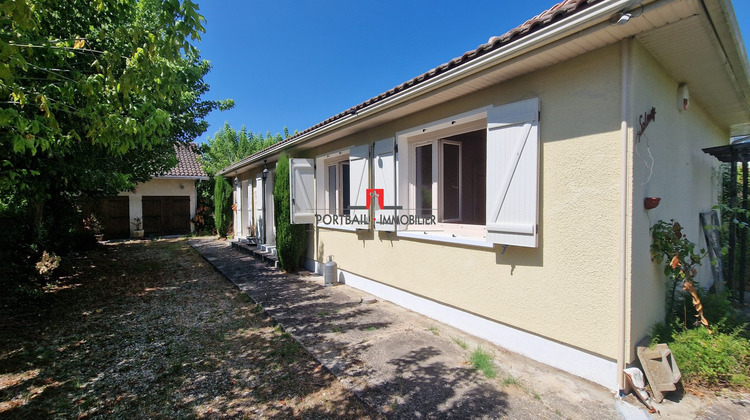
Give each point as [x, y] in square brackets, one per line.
[624, 132]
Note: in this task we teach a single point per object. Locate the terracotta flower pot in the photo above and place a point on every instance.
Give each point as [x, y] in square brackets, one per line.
[651, 202]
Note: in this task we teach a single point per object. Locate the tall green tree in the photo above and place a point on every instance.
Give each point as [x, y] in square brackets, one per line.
[222, 205]
[228, 146]
[291, 240]
[96, 93]
[224, 148]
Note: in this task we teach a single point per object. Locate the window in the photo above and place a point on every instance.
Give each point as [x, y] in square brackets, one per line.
[449, 177]
[337, 187]
[476, 174]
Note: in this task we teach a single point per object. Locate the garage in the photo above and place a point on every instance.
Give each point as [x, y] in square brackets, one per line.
[112, 212]
[166, 215]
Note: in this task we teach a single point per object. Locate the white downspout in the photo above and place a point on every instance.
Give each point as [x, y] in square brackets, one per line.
[626, 46]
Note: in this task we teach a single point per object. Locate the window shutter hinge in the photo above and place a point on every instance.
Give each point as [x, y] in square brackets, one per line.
[395, 148]
[539, 116]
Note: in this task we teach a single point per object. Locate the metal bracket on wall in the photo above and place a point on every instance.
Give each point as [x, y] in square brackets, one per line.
[644, 120]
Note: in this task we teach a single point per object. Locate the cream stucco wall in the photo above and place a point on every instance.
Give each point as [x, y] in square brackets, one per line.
[566, 290]
[162, 186]
[682, 176]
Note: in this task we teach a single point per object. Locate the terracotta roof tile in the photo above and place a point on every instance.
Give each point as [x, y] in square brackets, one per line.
[187, 165]
[557, 12]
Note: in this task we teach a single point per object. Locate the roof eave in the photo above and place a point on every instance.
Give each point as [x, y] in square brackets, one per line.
[194, 177]
[724, 21]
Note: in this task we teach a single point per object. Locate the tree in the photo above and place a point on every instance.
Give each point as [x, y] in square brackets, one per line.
[96, 95]
[116, 82]
[291, 240]
[228, 146]
[222, 205]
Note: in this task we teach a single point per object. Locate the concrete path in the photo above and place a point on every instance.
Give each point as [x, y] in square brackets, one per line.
[403, 364]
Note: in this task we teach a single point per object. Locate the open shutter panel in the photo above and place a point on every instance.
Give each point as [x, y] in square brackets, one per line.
[384, 172]
[302, 193]
[359, 182]
[513, 173]
[320, 188]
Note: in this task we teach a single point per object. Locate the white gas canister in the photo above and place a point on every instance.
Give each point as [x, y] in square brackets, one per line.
[330, 272]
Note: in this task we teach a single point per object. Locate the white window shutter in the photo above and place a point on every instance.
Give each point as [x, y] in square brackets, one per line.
[320, 186]
[302, 195]
[513, 174]
[384, 172]
[359, 182]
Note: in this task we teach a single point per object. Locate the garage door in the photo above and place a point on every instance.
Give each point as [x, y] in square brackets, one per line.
[112, 212]
[166, 215]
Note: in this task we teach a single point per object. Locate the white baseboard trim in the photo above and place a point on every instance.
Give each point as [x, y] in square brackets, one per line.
[560, 356]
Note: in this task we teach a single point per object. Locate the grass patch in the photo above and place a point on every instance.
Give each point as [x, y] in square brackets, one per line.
[434, 330]
[461, 343]
[483, 361]
[511, 380]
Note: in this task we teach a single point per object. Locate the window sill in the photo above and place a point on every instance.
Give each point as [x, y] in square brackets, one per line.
[457, 240]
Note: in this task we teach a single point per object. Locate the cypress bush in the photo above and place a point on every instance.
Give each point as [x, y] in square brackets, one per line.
[222, 205]
[291, 240]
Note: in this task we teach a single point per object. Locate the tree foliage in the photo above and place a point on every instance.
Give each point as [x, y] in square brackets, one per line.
[222, 205]
[228, 146]
[96, 94]
[291, 240]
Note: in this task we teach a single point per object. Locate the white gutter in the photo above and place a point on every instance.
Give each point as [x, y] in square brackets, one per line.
[535, 40]
[622, 350]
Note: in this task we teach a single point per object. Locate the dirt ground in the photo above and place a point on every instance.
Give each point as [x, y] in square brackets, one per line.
[148, 329]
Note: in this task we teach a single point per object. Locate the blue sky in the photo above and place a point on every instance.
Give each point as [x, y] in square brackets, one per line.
[296, 63]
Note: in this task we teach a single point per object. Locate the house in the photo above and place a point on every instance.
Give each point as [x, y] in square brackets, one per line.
[166, 204]
[503, 192]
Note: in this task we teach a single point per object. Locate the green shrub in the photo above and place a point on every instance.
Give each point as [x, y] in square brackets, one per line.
[291, 240]
[222, 205]
[718, 359]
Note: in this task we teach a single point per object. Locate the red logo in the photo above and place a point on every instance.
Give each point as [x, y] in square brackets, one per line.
[377, 192]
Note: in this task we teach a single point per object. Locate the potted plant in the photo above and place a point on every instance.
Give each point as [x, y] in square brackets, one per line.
[95, 226]
[138, 228]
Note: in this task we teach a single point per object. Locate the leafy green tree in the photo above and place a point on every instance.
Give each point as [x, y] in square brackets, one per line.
[226, 147]
[222, 205]
[96, 94]
[291, 240]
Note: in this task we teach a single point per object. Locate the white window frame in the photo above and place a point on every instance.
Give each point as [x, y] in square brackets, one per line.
[435, 133]
[339, 193]
[339, 158]
[441, 179]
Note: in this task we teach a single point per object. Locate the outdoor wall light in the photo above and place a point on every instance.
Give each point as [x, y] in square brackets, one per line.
[624, 17]
[683, 97]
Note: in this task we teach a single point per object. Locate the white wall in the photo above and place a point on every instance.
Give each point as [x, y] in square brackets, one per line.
[162, 186]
